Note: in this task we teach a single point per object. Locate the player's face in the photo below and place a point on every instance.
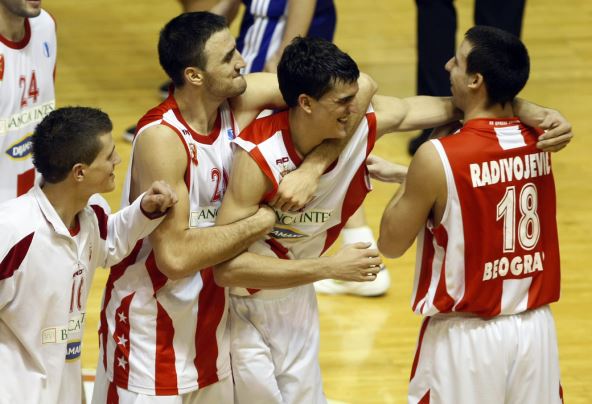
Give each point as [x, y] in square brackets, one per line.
[334, 109]
[459, 79]
[223, 76]
[22, 8]
[100, 175]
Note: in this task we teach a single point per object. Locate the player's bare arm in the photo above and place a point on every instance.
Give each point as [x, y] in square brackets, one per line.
[179, 250]
[558, 130]
[384, 170]
[412, 113]
[422, 195]
[298, 187]
[248, 185]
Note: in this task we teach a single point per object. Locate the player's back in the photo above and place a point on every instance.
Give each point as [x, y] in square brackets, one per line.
[495, 250]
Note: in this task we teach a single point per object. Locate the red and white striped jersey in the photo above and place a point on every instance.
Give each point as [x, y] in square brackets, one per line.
[26, 96]
[496, 249]
[168, 337]
[45, 274]
[342, 188]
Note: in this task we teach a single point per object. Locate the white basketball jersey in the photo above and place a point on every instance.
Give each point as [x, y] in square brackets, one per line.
[311, 231]
[170, 337]
[26, 96]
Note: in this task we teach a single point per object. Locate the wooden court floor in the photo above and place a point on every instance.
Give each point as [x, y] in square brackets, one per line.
[107, 58]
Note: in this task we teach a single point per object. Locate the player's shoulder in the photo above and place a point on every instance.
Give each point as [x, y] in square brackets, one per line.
[18, 220]
[261, 129]
[43, 22]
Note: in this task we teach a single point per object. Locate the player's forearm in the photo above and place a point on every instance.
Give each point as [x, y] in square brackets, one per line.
[392, 242]
[204, 247]
[299, 18]
[529, 113]
[251, 270]
[227, 9]
[428, 112]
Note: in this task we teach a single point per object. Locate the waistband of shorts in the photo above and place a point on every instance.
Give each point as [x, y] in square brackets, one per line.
[264, 294]
[460, 314]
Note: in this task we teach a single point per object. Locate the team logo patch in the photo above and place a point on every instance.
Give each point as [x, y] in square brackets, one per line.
[22, 148]
[1, 66]
[230, 134]
[286, 233]
[73, 350]
[46, 49]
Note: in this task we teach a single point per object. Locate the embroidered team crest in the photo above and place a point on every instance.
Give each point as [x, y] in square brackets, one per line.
[193, 153]
[1, 66]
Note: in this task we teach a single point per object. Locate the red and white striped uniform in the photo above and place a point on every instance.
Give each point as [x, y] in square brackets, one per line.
[45, 274]
[170, 337]
[27, 96]
[496, 249]
[284, 324]
[310, 232]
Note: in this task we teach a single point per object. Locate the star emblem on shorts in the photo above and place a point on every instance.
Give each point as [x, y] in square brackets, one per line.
[121, 362]
[122, 317]
[122, 340]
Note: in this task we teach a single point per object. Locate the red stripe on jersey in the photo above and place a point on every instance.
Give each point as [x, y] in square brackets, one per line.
[262, 129]
[121, 336]
[425, 272]
[294, 156]
[371, 117]
[13, 260]
[210, 311]
[23, 42]
[112, 396]
[116, 272]
[425, 399]
[165, 373]
[262, 163]
[25, 182]
[102, 219]
[422, 331]
[442, 299]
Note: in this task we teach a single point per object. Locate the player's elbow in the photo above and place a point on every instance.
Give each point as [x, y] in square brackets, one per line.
[170, 266]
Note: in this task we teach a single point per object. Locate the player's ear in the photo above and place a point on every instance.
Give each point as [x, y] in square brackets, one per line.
[476, 81]
[194, 76]
[304, 102]
[79, 171]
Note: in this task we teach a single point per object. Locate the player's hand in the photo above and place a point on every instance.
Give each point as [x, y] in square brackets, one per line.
[385, 171]
[445, 130]
[267, 217]
[355, 262]
[158, 198]
[295, 190]
[557, 132]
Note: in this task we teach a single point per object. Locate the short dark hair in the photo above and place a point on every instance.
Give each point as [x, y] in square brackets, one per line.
[501, 58]
[66, 137]
[182, 42]
[312, 66]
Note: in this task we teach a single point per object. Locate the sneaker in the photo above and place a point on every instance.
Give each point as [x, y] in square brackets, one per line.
[377, 287]
[417, 141]
[163, 90]
[129, 133]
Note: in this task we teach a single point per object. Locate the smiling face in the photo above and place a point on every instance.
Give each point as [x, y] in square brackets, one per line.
[99, 176]
[459, 79]
[331, 113]
[223, 76]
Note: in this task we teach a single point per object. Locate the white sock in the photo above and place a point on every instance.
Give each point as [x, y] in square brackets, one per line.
[358, 234]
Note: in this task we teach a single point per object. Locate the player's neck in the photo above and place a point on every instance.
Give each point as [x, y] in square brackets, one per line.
[198, 110]
[302, 136]
[11, 27]
[65, 200]
[496, 111]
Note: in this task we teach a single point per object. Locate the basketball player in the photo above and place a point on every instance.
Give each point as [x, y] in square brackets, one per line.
[27, 64]
[51, 241]
[163, 329]
[482, 203]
